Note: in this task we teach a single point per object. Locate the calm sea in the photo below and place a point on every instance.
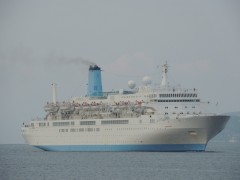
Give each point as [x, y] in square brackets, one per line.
[220, 161]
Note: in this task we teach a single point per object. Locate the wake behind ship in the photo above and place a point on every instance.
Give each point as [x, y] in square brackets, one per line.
[162, 118]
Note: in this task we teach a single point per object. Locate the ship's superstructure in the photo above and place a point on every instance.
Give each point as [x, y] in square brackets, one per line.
[146, 118]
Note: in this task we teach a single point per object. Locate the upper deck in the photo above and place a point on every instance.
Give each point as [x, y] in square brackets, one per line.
[143, 100]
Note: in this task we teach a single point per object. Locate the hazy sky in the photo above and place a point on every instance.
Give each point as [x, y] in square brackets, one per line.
[42, 41]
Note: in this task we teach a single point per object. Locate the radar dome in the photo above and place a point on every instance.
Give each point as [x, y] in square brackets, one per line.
[146, 80]
[131, 84]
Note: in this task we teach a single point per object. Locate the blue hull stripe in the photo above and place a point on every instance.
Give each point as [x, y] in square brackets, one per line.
[148, 147]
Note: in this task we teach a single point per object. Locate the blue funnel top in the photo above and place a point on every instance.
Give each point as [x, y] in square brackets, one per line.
[94, 81]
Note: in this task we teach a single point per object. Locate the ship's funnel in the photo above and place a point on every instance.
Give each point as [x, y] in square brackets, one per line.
[94, 81]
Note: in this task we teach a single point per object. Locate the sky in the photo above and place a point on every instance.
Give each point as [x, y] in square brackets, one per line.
[45, 41]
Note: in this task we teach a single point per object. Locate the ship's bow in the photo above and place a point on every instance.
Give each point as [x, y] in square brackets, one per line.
[215, 125]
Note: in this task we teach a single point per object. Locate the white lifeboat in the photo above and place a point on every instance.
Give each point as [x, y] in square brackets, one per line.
[116, 110]
[51, 107]
[66, 107]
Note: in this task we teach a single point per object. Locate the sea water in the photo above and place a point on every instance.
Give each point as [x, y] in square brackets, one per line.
[22, 162]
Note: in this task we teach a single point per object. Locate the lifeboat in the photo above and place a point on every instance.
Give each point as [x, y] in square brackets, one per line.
[139, 109]
[116, 110]
[67, 107]
[149, 110]
[77, 106]
[51, 107]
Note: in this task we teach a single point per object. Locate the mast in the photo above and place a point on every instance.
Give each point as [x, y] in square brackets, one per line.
[164, 75]
[54, 93]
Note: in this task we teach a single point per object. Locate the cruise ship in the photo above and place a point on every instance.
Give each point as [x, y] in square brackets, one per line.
[144, 118]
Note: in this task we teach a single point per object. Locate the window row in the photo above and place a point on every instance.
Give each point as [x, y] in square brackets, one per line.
[41, 124]
[177, 95]
[140, 96]
[61, 123]
[114, 122]
[87, 122]
[177, 100]
[80, 130]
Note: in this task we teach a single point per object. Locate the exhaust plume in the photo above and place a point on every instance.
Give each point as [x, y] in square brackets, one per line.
[76, 60]
[65, 60]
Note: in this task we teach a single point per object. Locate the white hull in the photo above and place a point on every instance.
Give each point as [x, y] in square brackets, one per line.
[183, 134]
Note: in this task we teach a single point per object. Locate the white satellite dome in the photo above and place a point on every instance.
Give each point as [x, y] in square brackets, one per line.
[146, 80]
[131, 84]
